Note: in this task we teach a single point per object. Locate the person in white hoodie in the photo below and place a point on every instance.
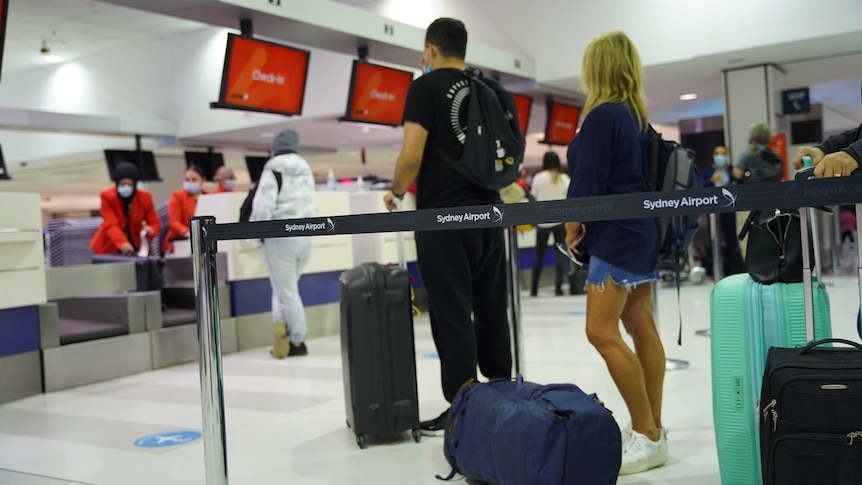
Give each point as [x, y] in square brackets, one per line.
[292, 198]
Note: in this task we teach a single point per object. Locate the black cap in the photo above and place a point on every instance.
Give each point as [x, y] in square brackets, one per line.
[126, 170]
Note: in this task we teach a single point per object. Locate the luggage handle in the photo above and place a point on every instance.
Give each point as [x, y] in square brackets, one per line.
[806, 174]
[830, 341]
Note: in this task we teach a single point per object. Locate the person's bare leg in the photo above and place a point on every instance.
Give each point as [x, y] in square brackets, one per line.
[605, 304]
[637, 317]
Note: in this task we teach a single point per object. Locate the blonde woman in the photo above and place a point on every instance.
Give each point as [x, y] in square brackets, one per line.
[609, 156]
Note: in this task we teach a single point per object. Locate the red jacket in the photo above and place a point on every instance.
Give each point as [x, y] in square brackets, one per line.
[181, 209]
[112, 233]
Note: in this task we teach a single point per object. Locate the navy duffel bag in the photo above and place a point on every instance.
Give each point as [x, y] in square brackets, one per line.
[507, 432]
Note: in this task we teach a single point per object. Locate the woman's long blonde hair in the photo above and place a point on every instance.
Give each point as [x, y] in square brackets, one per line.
[612, 73]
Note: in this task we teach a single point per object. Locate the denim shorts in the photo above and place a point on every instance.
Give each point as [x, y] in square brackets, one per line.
[599, 270]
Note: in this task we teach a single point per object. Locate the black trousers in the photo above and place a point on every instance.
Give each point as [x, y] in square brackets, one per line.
[464, 272]
[542, 236]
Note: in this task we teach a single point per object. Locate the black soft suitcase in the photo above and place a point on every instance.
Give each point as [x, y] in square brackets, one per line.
[148, 270]
[377, 352]
[811, 427]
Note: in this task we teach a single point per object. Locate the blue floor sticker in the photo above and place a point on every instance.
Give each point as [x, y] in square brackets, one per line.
[169, 438]
[432, 355]
[578, 312]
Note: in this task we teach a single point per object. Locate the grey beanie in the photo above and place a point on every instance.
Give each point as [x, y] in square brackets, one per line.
[286, 141]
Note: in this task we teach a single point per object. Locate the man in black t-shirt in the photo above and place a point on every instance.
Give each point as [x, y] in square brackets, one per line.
[463, 270]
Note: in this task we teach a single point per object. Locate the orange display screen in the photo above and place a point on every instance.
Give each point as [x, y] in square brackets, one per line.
[262, 76]
[524, 105]
[377, 94]
[562, 123]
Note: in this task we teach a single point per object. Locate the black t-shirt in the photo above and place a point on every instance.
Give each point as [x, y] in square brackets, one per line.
[437, 101]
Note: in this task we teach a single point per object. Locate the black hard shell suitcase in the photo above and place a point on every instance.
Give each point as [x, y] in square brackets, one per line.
[811, 428]
[377, 352]
[148, 270]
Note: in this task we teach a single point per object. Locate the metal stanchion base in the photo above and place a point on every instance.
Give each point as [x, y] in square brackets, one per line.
[702, 333]
[675, 364]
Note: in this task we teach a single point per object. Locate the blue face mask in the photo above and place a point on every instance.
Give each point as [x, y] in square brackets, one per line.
[192, 187]
[125, 191]
[427, 69]
[719, 160]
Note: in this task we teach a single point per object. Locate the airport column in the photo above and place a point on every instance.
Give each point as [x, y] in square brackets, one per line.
[751, 95]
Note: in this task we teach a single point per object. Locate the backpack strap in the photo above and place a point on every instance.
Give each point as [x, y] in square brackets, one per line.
[654, 139]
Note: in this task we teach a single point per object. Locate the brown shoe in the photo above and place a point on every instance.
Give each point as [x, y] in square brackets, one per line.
[282, 345]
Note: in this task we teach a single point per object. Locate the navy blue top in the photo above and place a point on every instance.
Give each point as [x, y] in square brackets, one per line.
[610, 156]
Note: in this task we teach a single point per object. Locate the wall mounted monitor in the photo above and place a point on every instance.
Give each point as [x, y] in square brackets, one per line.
[255, 166]
[808, 131]
[209, 162]
[263, 76]
[525, 105]
[144, 160]
[4, 10]
[4, 174]
[562, 123]
[377, 94]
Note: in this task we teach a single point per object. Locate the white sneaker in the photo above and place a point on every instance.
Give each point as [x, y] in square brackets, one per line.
[641, 453]
[627, 432]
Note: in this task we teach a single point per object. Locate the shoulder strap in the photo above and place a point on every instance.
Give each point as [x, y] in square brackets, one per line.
[654, 140]
[278, 178]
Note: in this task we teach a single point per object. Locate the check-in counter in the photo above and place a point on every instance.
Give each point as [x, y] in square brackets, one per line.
[22, 290]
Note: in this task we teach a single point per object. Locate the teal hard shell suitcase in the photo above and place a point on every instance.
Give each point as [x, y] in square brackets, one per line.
[746, 318]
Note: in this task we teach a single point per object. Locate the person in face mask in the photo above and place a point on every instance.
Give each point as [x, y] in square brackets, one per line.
[181, 207]
[125, 210]
[226, 180]
[720, 174]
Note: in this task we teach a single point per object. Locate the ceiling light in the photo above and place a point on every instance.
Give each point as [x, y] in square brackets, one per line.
[688, 97]
[52, 58]
[266, 134]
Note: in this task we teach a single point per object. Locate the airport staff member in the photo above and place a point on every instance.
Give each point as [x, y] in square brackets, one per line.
[181, 207]
[226, 180]
[125, 210]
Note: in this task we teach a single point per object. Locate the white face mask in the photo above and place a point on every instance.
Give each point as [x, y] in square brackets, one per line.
[125, 191]
[192, 187]
[229, 184]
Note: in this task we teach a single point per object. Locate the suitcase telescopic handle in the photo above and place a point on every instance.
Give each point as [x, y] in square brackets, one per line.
[830, 341]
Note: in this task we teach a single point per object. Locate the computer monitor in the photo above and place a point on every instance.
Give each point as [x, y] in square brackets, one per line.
[255, 166]
[562, 123]
[4, 174]
[377, 94]
[263, 76]
[524, 104]
[144, 160]
[208, 162]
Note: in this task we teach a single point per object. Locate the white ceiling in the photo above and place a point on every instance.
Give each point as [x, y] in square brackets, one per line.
[75, 29]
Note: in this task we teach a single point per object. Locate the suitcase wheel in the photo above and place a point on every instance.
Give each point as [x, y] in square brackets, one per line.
[360, 440]
[417, 435]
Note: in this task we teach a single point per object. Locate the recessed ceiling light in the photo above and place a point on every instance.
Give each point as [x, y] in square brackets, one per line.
[688, 97]
[52, 58]
[266, 134]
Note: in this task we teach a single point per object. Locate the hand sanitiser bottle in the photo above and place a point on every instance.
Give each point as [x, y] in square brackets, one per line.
[145, 243]
[330, 180]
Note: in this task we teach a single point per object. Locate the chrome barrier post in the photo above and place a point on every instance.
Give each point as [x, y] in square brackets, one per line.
[513, 275]
[212, 392]
[715, 233]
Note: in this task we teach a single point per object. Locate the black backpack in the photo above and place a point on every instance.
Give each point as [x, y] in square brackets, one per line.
[764, 165]
[672, 167]
[493, 151]
[245, 209]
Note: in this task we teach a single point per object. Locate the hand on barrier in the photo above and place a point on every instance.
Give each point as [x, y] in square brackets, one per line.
[815, 153]
[838, 164]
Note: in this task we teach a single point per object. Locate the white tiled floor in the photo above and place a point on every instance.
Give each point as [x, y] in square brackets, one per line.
[286, 419]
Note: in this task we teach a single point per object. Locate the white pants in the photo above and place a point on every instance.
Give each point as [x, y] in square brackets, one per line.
[285, 257]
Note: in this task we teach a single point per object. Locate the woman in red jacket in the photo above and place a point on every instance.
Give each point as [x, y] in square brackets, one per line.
[181, 207]
[125, 210]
